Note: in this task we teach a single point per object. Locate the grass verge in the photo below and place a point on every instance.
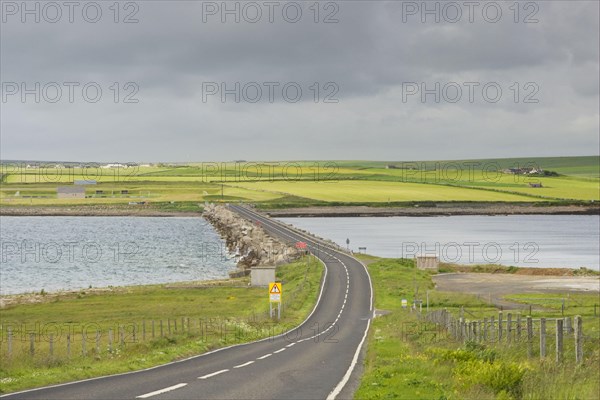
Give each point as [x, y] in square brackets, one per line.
[193, 319]
[409, 359]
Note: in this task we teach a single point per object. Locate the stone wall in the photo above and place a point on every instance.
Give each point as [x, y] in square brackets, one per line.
[248, 241]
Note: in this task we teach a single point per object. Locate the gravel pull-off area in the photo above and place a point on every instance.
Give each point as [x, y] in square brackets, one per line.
[495, 286]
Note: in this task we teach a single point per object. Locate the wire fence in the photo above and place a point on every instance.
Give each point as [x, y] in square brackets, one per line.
[538, 335]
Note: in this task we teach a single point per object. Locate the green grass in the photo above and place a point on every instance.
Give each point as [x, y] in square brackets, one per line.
[219, 316]
[380, 191]
[410, 359]
[574, 303]
[303, 183]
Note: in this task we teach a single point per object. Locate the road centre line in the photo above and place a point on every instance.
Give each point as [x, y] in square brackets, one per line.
[213, 374]
[161, 391]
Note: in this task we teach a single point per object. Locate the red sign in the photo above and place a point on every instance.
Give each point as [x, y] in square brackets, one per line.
[300, 245]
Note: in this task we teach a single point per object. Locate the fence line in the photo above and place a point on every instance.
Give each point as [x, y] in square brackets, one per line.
[21, 342]
[509, 331]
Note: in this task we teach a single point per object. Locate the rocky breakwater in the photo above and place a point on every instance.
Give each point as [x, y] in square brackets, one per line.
[248, 241]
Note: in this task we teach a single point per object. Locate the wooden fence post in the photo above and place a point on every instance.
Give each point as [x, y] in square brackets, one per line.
[51, 344]
[110, 340]
[509, 327]
[169, 326]
[559, 340]
[518, 326]
[143, 330]
[161, 328]
[68, 345]
[485, 329]
[152, 329]
[121, 335]
[9, 341]
[529, 336]
[578, 339]
[175, 324]
[542, 337]
[97, 342]
[500, 318]
[568, 325]
[83, 349]
[31, 344]
[492, 328]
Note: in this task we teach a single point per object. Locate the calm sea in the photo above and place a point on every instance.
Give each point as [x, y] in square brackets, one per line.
[524, 240]
[54, 253]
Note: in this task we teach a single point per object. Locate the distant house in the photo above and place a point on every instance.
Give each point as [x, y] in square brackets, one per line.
[523, 171]
[71, 192]
[391, 166]
[535, 185]
[117, 165]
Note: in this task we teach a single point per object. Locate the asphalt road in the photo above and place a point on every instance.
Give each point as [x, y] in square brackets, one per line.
[314, 361]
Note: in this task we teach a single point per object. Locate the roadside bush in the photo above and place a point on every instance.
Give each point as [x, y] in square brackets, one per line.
[504, 379]
[471, 352]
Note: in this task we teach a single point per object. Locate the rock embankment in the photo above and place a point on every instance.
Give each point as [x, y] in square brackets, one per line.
[248, 241]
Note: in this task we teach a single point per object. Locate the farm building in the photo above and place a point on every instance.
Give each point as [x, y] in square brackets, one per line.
[71, 192]
[430, 262]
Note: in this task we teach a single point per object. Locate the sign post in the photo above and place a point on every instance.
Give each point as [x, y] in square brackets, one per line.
[302, 246]
[275, 292]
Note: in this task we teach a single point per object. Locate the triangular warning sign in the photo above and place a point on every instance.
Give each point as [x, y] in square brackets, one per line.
[275, 289]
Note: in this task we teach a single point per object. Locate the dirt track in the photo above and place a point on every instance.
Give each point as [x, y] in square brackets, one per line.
[495, 286]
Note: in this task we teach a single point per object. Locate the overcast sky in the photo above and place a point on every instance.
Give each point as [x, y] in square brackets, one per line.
[361, 67]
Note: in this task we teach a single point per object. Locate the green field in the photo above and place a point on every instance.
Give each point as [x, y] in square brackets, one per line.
[310, 182]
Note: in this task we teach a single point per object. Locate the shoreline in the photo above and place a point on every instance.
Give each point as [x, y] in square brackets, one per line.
[92, 211]
[12, 299]
[438, 209]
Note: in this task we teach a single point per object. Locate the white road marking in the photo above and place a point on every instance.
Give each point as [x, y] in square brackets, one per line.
[161, 391]
[244, 364]
[265, 356]
[336, 391]
[279, 351]
[291, 344]
[213, 374]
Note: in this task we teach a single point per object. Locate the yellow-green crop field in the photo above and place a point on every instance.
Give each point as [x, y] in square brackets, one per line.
[380, 191]
[308, 182]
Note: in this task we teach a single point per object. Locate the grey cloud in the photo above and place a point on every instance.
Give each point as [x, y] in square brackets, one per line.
[368, 54]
